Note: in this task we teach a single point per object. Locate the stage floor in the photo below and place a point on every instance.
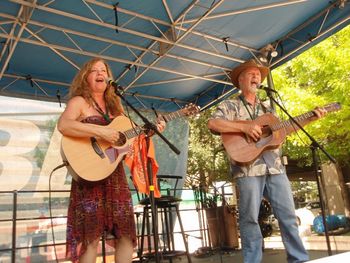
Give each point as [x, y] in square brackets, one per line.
[269, 256]
[274, 252]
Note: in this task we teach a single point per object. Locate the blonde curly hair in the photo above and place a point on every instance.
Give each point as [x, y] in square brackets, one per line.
[79, 87]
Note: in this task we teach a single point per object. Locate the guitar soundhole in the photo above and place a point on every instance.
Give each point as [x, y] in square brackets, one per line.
[266, 131]
[121, 141]
[265, 137]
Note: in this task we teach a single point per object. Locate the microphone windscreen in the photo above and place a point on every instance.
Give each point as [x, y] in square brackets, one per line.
[108, 80]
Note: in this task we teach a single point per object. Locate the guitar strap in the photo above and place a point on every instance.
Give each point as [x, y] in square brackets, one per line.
[105, 115]
[256, 107]
[265, 108]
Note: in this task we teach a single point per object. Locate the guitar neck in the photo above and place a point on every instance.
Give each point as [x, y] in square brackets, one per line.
[173, 115]
[305, 116]
[287, 123]
[131, 133]
[137, 130]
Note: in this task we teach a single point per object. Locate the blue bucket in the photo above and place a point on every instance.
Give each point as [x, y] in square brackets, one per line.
[343, 221]
[333, 222]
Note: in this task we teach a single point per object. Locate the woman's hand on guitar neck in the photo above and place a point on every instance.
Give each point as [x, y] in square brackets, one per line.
[160, 124]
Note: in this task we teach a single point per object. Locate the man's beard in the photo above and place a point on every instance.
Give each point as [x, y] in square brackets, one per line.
[253, 89]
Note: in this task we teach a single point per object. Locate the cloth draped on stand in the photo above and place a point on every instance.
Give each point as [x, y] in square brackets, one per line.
[136, 160]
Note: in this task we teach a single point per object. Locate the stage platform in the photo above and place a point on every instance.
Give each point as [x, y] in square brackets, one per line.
[269, 256]
[274, 251]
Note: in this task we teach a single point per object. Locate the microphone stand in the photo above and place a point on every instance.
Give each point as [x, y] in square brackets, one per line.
[314, 146]
[150, 127]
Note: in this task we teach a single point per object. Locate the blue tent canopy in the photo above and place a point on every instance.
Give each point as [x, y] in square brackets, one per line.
[165, 53]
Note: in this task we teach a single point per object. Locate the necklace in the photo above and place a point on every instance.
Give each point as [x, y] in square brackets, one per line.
[105, 115]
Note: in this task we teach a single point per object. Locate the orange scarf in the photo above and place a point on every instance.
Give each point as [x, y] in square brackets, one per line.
[136, 160]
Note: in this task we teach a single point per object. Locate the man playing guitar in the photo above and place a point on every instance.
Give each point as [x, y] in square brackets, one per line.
[264, 175]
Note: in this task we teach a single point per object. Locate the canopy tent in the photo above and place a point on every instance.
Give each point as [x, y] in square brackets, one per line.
[164, 53]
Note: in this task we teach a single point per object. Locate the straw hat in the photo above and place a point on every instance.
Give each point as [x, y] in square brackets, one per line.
[264, 71]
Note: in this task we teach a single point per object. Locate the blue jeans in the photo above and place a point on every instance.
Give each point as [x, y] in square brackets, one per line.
[276, 188]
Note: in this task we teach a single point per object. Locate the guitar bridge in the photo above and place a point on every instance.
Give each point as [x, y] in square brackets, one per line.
[97, 147]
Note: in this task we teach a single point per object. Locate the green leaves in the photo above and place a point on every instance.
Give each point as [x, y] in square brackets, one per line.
[317, 77]
[207, 160]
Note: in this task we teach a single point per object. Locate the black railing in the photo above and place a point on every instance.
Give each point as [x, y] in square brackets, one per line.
[36, 229]
[38, 236]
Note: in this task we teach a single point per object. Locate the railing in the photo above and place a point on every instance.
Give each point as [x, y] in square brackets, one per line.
[35, 227]
[27, 231]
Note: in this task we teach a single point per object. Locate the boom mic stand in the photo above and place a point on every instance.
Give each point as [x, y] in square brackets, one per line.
[150, 127]
[314, 146]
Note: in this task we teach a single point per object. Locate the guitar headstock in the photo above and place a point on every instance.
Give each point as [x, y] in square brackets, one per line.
[190, 109]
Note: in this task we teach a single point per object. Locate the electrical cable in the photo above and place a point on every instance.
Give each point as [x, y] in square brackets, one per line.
[65, 163]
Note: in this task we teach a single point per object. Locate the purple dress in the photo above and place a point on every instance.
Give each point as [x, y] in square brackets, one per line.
[96, 207]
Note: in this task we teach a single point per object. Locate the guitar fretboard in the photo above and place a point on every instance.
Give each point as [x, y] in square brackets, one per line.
[329, 108]
[289, 122]
[131, 133]
[172, 116]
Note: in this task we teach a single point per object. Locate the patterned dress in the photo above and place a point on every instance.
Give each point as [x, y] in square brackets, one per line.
[96, 207]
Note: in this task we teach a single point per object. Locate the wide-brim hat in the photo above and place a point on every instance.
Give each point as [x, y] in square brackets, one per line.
[264, 71]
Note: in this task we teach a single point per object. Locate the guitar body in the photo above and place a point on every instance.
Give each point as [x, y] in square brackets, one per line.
[85, 163]
[93, 160]
[243, 150]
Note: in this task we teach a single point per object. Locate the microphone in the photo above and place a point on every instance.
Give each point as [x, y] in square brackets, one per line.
[114, 84]
[267, 89]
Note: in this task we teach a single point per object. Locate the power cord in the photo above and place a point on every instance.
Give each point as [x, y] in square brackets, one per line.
[65, 163]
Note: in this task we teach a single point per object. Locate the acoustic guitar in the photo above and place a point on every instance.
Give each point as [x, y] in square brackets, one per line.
[94, 159]
[243, 150]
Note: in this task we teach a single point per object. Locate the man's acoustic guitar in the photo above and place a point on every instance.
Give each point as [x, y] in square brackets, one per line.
[244, 150]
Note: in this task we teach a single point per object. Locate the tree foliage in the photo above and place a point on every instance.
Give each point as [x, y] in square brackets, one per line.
[317, 77]
[206, 157]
